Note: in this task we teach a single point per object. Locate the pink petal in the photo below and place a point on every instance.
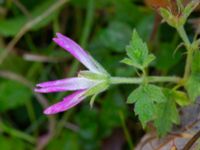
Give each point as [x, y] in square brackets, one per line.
[67, 103]
[73, 48]
[69, 84]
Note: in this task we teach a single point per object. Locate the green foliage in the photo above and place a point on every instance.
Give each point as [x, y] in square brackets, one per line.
[110, 117]
[167, 114]
[92, 76]
[13, 95]
[145, 26]
[98, 123]
[137, 52]
[196, 63]
[193, 87]
[12, 26]
[97, 88]
[193, 83]
[114, 37]
[180, 98]
[190, 7]
[168, 17]
[146, 98]
[67, 139]
[10, 143]
[178, 21]
[166, 58]
[11, 64]
[89, 126]
[157, 105]
[110, 32]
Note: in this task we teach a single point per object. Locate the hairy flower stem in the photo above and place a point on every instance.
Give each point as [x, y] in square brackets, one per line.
[184, 36]
[150, 79]
[189, 48]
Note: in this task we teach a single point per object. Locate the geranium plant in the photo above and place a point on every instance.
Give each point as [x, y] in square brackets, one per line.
[152, 102]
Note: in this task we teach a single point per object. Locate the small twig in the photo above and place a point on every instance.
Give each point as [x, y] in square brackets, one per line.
[190, 143]
[16, 133]
[42, 58]
[72, 127]
[147, 140]
[88, 23]
[28, 26]
[22, 8]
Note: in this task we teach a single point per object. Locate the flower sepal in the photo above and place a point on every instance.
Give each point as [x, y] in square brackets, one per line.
[171, 19]
[190, 7]
[180, 19]
[93, 76]
[98, 88]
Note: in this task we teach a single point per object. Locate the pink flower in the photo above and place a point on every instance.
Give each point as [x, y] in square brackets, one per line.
[88, 83]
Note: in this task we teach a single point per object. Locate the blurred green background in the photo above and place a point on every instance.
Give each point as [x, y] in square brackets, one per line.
[28, 56]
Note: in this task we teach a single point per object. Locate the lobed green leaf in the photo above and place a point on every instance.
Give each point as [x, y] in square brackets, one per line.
[146, 97]
[166, 113]
[193, 83]
[137, 52]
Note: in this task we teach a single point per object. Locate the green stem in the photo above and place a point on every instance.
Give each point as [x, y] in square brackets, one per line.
[150, 79]
[31, 112]
[189, 48]
[145, 80]
[88, 23]
[184, 36]
[126, 132]
[17, 133]
[188, 64]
